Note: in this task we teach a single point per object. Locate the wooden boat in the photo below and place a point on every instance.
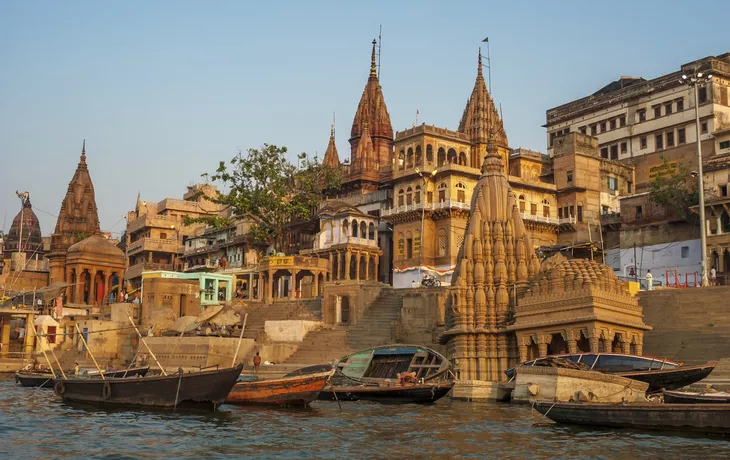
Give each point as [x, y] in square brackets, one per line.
[297, 390]
[701, 418]
[422, 393]
[683, 397]
[195, 389]
[45, 379]
[659, 374]
[374, 365]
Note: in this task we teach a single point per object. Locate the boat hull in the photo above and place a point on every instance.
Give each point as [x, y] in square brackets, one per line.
[196, 389]
[33, 379]
[412, 394]
[701, 418]
[288, 391]
[681, 397]
[670, 379]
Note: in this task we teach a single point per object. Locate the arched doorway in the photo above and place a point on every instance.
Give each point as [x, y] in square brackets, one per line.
[533, 351]
[557, 345]
[583, 344]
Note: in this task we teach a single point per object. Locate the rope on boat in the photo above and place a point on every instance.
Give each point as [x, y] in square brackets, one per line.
[41, 386]
[177, 393]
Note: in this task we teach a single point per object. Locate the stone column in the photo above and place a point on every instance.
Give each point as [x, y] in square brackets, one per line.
[316, 284]
[347, 265]
[357, 266]
[523, 352]
[719, 225]
[572, 345]
[331, 266]
[376, 272]
[293, 284]
[367, 266]
[108, 286]
[625, 347]
[70, 285]
[639, 349]
[542, 346]
[5, 336]
[593, 341]
[270, 286]
[79, 288]
[707, 223]
[29, 334]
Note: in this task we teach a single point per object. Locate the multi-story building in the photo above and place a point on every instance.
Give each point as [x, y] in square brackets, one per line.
[156, 232]
[650, 124]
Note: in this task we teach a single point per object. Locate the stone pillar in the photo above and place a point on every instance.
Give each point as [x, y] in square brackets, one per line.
[260, 287]
[29, 334]
[5, 336]
[70, 285]
[357, 266]
[639, 349]
[542, 346]
[377, 267]
[79, 288]
[316, 284]
[331, 266]
[719, 225]
[367, 266]
[625, 347]
[572, 345]
[523, 352]
[593, 341]
[270, 286]
[707, 223]
[293, 284]
[347, 265]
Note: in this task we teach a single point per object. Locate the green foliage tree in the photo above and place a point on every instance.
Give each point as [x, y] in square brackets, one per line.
[676, 192]
[264, 185]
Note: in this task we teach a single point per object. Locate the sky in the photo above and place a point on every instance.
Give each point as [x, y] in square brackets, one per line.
[163, 90]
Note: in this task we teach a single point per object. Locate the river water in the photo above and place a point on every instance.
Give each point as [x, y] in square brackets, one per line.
[38, 425]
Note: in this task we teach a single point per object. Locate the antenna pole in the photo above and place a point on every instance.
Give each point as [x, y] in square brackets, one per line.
[380, 45]
[489, 68]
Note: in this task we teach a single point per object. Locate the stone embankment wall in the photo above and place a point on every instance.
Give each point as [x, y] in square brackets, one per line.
[689, 325]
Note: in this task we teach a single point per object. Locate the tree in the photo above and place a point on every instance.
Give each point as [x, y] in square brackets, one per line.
[675, 191]
[264, 185]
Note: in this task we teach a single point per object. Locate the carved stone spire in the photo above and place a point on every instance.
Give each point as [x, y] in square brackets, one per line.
[480, 113]
[331, 157]
[372, 111]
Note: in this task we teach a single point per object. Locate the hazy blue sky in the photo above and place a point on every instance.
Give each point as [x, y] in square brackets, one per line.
[163, 90]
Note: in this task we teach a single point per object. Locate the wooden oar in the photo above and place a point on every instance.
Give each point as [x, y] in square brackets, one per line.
[86, 345]
[139, 334]
[240, 339]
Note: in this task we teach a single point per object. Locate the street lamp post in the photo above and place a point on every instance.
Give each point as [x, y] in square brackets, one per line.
[695, 80]
[425, 178]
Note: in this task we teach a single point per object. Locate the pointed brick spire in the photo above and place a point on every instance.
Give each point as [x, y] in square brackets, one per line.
[331, 157]
[83, 153]
[480, 113]
[372, 111]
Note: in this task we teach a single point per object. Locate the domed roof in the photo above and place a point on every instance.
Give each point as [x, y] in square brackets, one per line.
[96, 244]
[564, 275]
[32, 239]
[337, 207]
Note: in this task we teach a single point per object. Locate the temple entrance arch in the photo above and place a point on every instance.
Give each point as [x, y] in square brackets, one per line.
[583, 344]
[557, 345]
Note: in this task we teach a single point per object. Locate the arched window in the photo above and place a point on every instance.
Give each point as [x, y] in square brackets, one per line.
[327, 232]
[419, 156]
[354, 228]
[461, 192]
[429, 153]
[442, 192]
[409, 158]
[546, 208]
[400, 197]
[409, 196]
[462, 159]
[371, 231]
[522, 203]
[452, 156]
[401, 160]
[417, 197]
[345, 227]
[363, 229]
[441, 157]
[409, 245]
[401, 245]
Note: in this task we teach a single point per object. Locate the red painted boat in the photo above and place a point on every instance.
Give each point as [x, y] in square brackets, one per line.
[298, 390]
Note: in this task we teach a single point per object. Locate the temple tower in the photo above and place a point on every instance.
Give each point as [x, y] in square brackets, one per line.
[331, 157]
[78, 218]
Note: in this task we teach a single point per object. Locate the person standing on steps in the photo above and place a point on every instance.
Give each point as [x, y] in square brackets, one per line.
[256, 363]
[649, 281]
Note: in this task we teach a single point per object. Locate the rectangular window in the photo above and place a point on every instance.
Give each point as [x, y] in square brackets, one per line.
[409, 248]
[642, 142]
[560, 213]
[429, 197]
[522, 206]
[624, 147]
[685, 252]
[680, 104]
[614, 152]
[582, 129]
[612, 184]
[723, 190]
[657, 111]
[400, 200]
[603, 126]
[604, 152]
[668, 108]
[552, 139]
[724, 145]
[569, 176]
[580, 213]
[442, 246]
[545, 210]
[642, 115]
[613, 123]
[604, 210]
[442, 196]
[629, 186]
[622, 121]
[670, 139]
[703, 95]
[572, 211]
[593, 130]
[681, 136]
[659, 141]
[460, 196]
[639, 213]
[704, 127]
[533, 209]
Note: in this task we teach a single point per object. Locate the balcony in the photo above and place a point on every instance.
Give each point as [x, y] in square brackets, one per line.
[611, 219]
[446, 204]
[135, 271]
[153, 220]
[153, 244]
[540, 219]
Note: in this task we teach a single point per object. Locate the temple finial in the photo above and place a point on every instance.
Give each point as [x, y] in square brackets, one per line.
[334, 120]
[83, 152]
[373, 72]
[479, 65]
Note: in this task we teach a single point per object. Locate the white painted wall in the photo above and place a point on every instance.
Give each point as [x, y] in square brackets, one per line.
[658, 258]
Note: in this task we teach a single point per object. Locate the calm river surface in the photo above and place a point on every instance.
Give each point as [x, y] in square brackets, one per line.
[43, 427]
